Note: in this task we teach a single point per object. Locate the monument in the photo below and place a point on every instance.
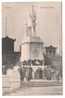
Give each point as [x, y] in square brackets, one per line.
[32, 51]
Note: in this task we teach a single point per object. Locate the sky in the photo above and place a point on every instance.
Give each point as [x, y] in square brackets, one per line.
[49, 23]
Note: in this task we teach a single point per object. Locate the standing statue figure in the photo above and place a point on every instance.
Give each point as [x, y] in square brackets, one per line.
[33, 18]
[31, 29]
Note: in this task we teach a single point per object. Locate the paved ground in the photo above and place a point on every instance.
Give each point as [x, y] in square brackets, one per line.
[31, 91]
[36, 88]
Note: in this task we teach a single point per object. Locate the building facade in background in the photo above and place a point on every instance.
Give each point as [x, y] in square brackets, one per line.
[9, 56]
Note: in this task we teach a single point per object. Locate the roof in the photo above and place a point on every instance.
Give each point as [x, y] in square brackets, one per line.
[4, 38]
[50, 47]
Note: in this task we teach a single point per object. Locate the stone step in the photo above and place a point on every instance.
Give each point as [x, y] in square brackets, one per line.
[41, 84]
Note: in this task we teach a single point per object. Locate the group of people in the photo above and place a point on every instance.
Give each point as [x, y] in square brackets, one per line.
[52, 73]
[17, 74]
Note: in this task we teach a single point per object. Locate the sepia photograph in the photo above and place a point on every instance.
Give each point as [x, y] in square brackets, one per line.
[32, 48]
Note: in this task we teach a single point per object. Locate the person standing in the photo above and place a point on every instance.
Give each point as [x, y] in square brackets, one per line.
[21, 72]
